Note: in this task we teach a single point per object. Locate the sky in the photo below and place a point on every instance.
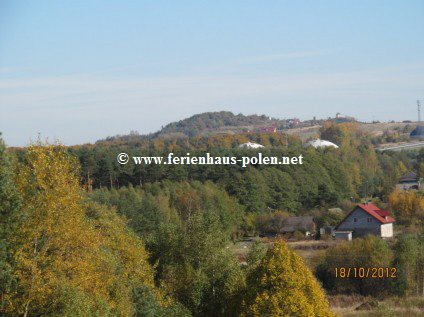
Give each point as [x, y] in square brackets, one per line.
[79, 71]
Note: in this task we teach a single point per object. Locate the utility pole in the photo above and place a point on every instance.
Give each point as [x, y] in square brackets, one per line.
[287, 138]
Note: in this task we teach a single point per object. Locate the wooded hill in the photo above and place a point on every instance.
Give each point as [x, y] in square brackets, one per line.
[207, 123]
[219, 124]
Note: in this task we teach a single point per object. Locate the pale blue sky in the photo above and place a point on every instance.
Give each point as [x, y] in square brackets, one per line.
[78, 71]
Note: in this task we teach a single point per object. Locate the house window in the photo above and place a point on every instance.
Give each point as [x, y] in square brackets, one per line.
[369, 219]
[354, 219]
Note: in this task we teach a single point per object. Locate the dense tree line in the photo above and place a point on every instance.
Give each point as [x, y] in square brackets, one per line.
[160, 250]
[327, 177]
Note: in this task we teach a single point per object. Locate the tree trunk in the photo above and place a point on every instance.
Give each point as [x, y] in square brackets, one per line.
[26, 308]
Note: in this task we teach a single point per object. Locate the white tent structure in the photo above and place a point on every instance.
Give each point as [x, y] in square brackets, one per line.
[251, 145]
[317, 143]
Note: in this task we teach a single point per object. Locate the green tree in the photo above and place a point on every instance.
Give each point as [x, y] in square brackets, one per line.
[407, 260]
[256, 252]
[204, 275]
[281, 190]
[250, 189]
[10, 217]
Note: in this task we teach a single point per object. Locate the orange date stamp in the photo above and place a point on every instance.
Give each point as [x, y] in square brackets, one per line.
[365, 272]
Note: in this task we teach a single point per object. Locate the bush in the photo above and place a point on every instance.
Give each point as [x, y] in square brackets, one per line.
[359, 253]
[298, 235]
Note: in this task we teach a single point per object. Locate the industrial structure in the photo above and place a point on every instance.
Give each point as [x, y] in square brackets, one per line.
[418, 132]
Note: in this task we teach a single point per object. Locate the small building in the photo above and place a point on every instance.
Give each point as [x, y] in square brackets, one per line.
[366, 219]
[408, 181]
[290, 225]
[305, 225]
[268, 130]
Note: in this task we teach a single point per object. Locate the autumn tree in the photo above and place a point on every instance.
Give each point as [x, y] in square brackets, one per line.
[69, 258]
[408, 206]
[282, 285]
[54, 238]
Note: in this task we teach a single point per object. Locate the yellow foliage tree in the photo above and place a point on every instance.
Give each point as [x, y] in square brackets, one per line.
[421, 170]
[130, 266]
[400, 169]
[407, 205]
[282, 285]
[61, 256]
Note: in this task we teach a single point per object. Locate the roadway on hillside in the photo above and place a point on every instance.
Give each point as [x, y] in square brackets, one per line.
[400, 146]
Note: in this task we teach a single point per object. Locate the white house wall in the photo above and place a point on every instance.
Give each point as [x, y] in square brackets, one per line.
[387, 230]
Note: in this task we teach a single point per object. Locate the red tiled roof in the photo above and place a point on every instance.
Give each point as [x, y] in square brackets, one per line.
[381, 215]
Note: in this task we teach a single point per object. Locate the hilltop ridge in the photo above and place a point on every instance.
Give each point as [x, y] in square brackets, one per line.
[209, 124]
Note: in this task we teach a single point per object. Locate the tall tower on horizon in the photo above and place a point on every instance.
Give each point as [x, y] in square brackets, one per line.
[418, 132]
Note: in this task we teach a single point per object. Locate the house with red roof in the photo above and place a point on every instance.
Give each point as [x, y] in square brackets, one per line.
[365, 219]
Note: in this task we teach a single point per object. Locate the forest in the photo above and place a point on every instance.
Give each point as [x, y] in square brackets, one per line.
[81, 235]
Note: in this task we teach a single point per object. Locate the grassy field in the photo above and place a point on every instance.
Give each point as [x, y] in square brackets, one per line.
[371, 128]
[358, 306]
[307, 249]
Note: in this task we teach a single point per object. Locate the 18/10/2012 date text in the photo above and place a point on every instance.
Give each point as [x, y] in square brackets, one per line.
[365, 272]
